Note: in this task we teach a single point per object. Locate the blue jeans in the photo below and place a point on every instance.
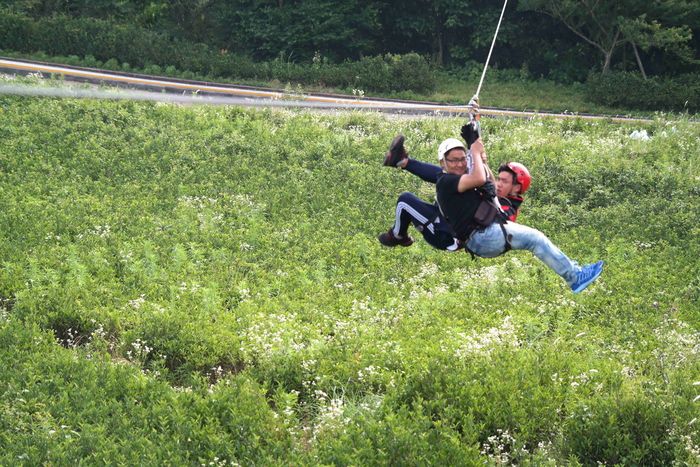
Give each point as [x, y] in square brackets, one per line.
[490, 243]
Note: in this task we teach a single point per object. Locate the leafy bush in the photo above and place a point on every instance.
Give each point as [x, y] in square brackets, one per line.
[60, 409]
[90, 62]
[411, 71]
[629, 430]
[371, 73]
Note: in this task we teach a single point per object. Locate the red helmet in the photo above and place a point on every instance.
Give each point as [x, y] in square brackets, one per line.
[522, 175]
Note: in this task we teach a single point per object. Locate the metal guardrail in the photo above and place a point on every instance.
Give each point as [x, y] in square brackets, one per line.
[218, 93]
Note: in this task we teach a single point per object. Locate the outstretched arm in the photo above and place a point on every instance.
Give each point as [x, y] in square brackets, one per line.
[423, 170]
[429, 172]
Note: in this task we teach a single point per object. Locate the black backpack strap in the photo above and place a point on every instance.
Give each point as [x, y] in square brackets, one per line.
[506, 236]
[431, 220]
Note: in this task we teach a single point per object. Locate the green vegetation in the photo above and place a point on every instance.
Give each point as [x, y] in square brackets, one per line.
[681, 94]
[202, 286]
[107, 44]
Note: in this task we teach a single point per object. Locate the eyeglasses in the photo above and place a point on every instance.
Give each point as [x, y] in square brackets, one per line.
[463, 160]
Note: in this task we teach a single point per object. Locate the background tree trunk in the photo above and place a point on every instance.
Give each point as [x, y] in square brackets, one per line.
[639, 60]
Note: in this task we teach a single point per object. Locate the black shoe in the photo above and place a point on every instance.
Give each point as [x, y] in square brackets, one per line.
[388, 239]
[396, 153]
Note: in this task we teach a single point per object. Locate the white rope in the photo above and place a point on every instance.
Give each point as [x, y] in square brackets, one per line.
[476, 96]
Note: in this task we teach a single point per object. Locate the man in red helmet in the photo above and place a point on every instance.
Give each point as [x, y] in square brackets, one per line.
[484, 231]
[512, 182]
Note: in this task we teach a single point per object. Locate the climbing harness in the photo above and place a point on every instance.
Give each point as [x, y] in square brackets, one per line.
[486, 214]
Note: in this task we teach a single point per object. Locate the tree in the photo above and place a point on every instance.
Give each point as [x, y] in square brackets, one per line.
[338, 29]
[72, 8]
[464, 23]
[652, 34]
[608, 24]
[443, 28]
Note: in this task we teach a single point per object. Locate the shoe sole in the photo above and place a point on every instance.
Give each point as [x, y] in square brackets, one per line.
[590, 281]
[408, 242]
[399, 139]
[386, 160]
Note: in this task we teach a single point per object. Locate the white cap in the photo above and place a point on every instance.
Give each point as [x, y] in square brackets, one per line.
[447, 145]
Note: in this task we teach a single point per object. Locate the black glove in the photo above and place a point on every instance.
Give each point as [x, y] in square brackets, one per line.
[470, 133]
[489, 188]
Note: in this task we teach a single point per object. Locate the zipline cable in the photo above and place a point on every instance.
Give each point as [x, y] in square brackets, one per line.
[199, 93]
[488, 58]
[473, 106]
[475, 115]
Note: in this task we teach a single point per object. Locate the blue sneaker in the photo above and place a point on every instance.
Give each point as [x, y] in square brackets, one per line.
[586, 275]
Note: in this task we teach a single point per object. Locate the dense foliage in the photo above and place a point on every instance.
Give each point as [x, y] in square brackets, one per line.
[609, 26]
[203, 286]
[560, 40]
[407, 50]
[106, 44]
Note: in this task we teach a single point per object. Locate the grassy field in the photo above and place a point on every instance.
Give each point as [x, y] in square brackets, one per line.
[203, 286]
[526, 95]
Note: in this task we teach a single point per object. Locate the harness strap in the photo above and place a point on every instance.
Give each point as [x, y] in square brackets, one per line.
[501, 219]
[432, 219]
[506, 236]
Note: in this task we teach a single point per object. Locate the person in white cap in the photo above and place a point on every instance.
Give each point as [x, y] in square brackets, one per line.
[410, 209]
